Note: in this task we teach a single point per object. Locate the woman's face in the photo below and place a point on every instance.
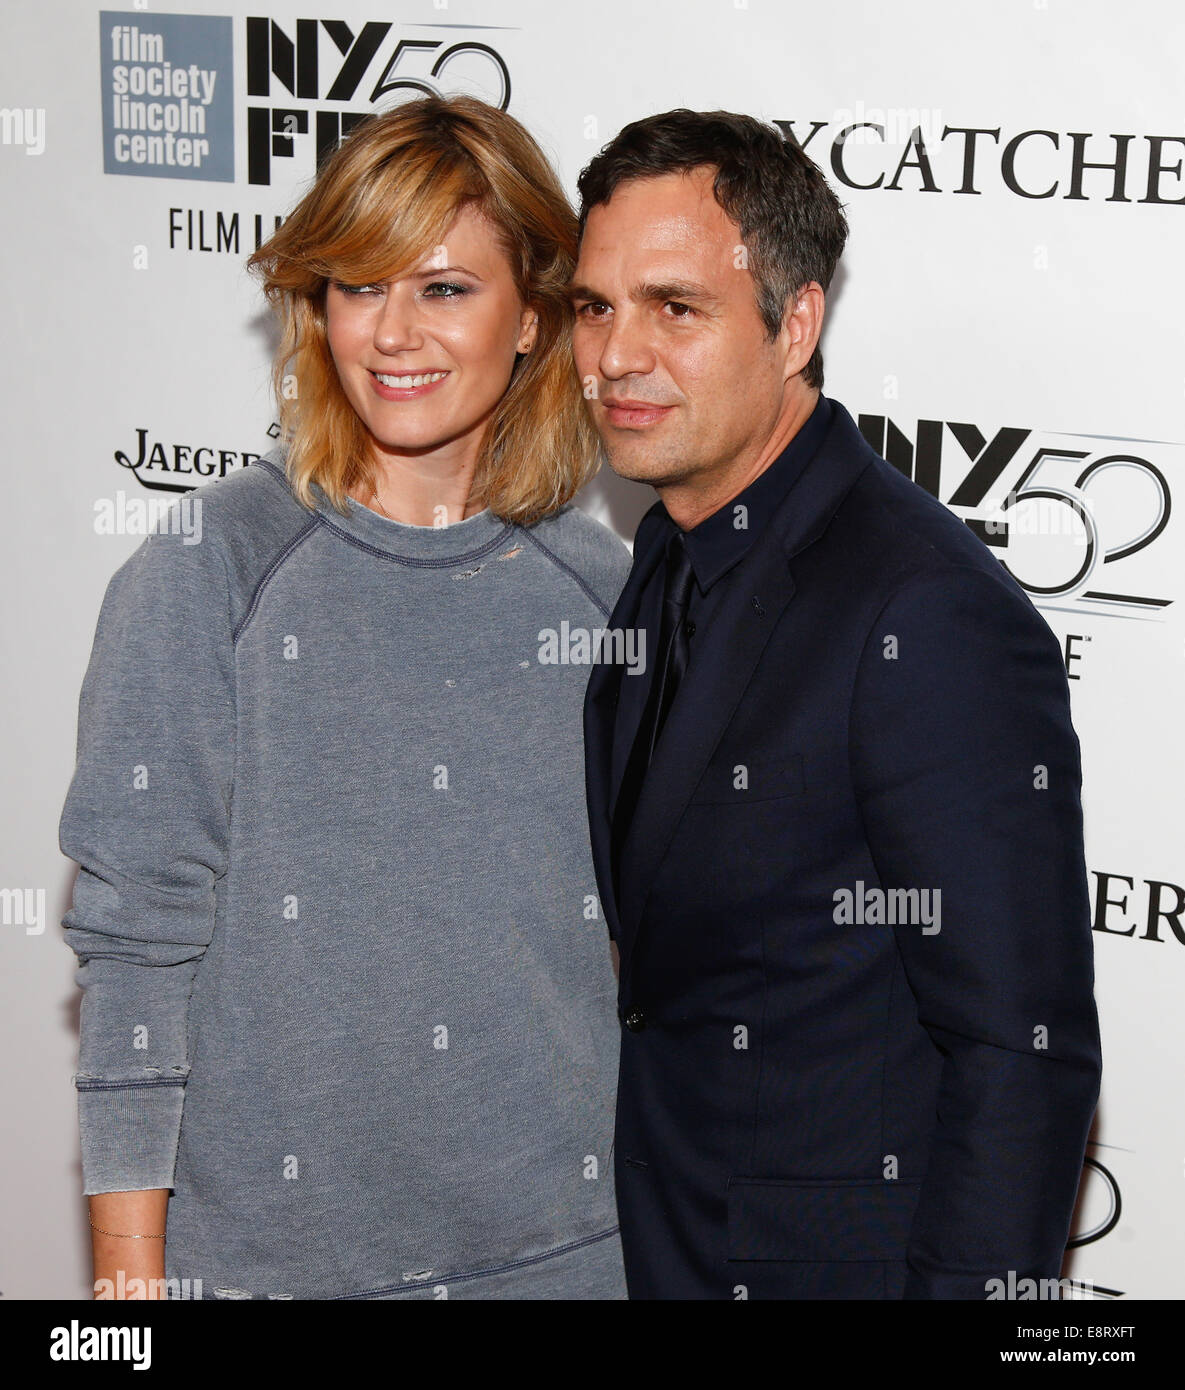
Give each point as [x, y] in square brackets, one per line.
[425, 359]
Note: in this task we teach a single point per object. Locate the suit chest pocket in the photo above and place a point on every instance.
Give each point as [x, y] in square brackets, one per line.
[737, 780]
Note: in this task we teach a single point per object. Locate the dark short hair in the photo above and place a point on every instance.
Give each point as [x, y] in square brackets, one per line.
[792, 224]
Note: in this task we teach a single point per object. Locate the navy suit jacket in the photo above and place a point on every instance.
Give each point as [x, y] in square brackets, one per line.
[814, 1100]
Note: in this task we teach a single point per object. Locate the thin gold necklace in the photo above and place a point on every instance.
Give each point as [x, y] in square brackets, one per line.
[375, 494]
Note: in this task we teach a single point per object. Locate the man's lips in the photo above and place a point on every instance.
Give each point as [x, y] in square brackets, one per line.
[633, 414]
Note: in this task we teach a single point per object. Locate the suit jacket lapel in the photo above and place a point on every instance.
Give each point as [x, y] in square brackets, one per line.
[702, 709]
[606, 743]
[757, 596]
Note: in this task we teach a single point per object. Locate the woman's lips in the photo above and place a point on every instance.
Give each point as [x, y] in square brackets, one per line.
[406, 393]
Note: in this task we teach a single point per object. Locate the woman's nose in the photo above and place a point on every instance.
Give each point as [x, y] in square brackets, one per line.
[396, 328]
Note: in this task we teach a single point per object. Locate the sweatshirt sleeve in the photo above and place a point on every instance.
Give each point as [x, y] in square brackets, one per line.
[146, 817]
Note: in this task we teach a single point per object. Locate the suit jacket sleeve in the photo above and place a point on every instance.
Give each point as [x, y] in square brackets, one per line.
[967, 773]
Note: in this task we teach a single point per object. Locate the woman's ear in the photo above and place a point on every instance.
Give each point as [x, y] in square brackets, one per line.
[529, 327]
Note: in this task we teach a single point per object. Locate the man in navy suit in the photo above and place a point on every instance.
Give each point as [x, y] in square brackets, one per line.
[837, 822]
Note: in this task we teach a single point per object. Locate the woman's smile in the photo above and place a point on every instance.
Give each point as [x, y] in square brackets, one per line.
[407, 386]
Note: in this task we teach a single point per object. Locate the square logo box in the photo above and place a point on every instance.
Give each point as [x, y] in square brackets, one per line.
[168, 95]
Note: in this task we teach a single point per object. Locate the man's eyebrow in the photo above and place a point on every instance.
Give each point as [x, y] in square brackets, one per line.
[682, 291]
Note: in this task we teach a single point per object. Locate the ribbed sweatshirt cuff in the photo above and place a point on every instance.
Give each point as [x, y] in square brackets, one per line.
[129, 1135]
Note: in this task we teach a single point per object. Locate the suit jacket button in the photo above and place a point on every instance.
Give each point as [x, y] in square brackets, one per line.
[635, 1020]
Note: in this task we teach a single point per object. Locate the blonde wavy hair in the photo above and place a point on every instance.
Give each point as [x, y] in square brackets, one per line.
[379, 204]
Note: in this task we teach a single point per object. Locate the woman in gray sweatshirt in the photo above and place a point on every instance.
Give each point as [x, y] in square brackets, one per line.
[348, 1024]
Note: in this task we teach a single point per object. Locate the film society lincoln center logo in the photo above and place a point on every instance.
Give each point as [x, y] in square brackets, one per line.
[168, 95]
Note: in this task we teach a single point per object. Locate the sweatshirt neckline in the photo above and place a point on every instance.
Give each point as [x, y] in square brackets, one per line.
[426, 545]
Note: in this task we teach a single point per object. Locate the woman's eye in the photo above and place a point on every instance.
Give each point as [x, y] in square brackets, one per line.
[358, 289]
[454, 290]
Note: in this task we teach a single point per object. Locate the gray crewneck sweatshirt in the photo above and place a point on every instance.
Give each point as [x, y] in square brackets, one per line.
[347, 985]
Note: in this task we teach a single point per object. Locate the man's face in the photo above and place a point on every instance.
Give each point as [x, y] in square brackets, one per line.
[680, 377]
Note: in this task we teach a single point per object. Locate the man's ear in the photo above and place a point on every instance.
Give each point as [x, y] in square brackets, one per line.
[528, 329]
[801, 326]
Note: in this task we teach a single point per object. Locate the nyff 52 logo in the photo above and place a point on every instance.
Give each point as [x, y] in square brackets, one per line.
[1057, 508]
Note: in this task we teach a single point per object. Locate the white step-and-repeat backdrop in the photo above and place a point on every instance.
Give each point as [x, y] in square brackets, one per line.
[1006, 326]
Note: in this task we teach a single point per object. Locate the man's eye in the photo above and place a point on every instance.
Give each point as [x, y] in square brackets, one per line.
[686, 308]
[454, 289]
[593, 309]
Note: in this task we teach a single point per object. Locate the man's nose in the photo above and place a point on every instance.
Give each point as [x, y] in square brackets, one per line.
[626, 348]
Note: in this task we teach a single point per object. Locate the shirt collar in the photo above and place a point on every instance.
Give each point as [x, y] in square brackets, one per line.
[715, 545]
